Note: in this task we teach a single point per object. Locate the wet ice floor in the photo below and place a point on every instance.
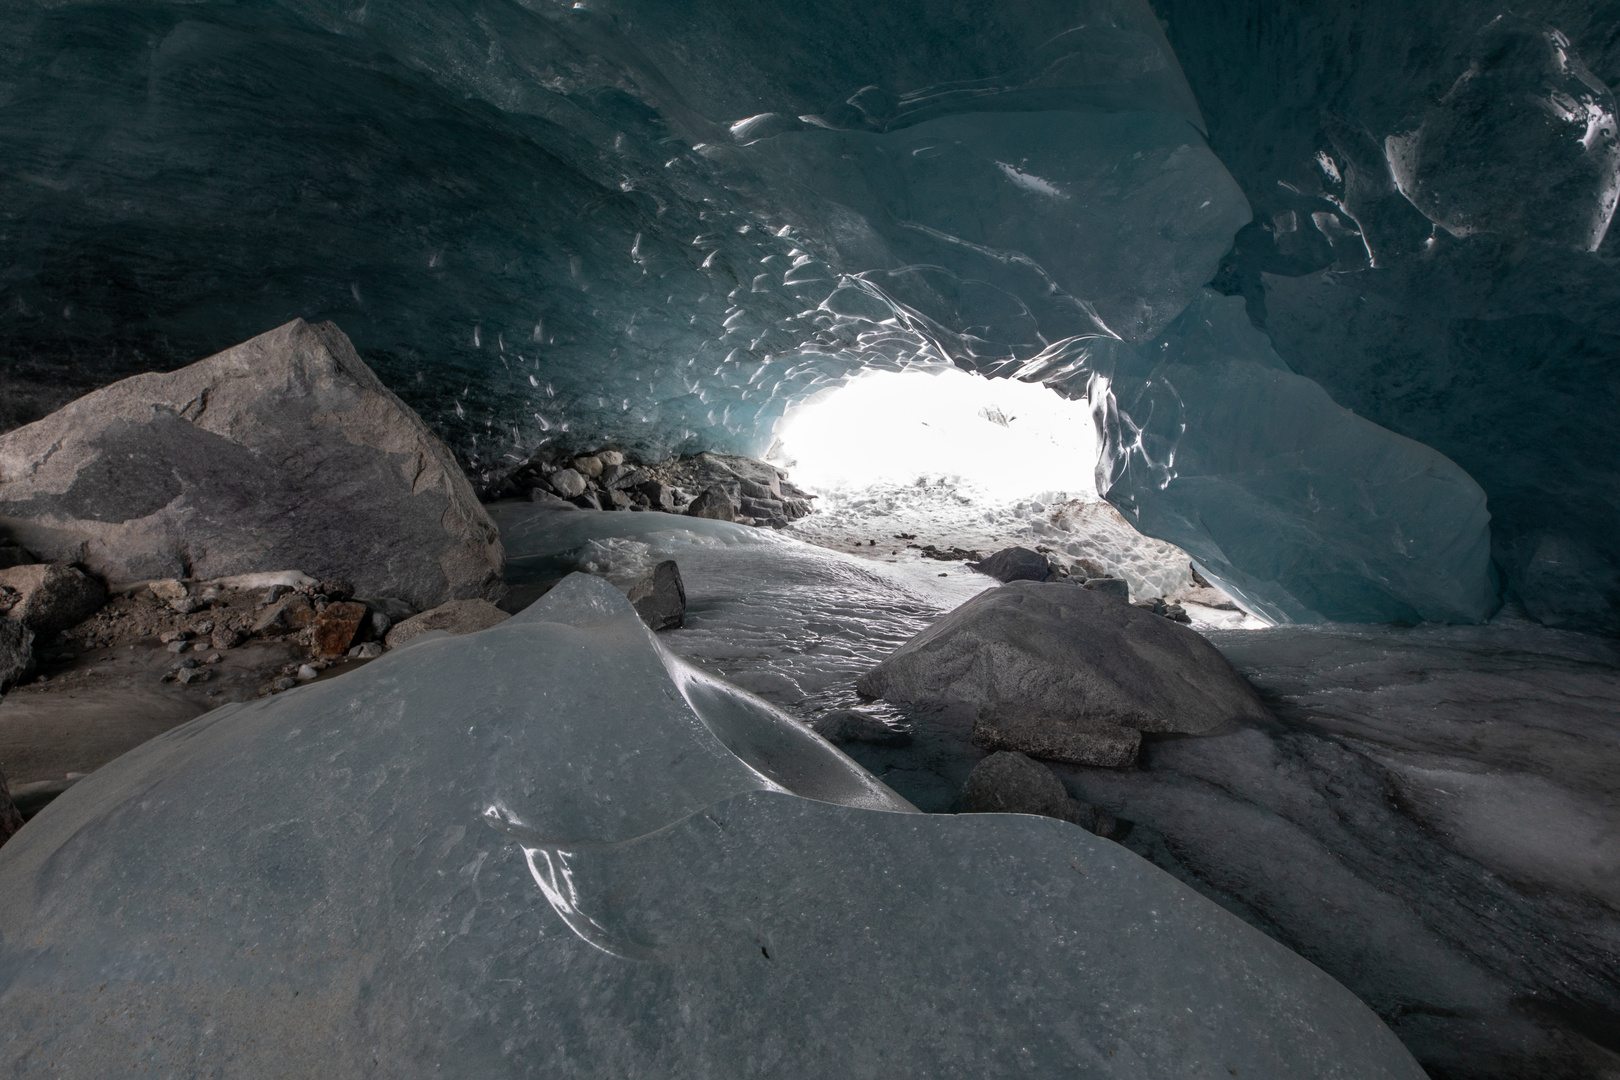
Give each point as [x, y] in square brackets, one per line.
[1432, 818]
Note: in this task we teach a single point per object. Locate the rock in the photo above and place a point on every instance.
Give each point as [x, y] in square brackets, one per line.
[568, 483]
[187, 676]
[168, 636]
[1069, 657]
[713, 503]
[290, 613]
[1016, 564]
[1208, 597]
[224, 637]
[615, 500]
[660, 597]
[11, 818]
[52, 597]
[1118, 588]
[589, 467]
[1010, 783]
[16, 652]
[659, 496]
[335, 589]
[168, 590]
[588, 500]
[610, 458]
[1104, 746]
[305, 673]
[848, 725]
[177, 647]
[286, 682]
[369, 651]
[337, 626]
[456, 617]
[283, 451]
[555, 502]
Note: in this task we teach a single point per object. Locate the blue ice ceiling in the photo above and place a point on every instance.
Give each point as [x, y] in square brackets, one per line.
[660, 223]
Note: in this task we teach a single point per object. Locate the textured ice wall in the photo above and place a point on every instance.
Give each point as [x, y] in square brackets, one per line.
[1472, 316]
[644, 222]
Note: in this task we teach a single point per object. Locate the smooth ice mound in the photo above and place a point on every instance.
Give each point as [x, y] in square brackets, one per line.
[551, 849]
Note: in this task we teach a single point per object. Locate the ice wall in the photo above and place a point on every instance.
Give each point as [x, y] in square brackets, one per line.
[1432, 187]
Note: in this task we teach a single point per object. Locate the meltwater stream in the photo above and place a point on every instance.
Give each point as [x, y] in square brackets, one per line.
[1431, 818]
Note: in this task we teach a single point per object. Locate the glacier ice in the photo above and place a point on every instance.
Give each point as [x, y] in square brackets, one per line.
[552, 848]
[1302, 510]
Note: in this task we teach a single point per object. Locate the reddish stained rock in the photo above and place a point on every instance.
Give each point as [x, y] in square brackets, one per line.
[337, 626]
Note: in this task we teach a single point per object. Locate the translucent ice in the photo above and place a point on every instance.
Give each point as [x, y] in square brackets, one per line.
[551, 848]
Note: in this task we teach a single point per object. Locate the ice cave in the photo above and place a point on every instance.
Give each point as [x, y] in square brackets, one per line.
[623, 538]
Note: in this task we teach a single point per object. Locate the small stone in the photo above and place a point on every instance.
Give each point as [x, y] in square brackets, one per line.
[187, 676]
[660, 597]
[200, 646]
[714, 503]
[1008, 782]
[568, 483]
[168, 589]
[178, 646]
[212, 658]
[610, 458]
[284, 683]
[224, 637]
[306, 673]
[185, 605]
[588, 466]
[851, 726]
[203, 628]
[173, 635]
[371, 650]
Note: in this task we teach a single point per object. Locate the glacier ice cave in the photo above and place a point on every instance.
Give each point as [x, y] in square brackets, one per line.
[1309, 313]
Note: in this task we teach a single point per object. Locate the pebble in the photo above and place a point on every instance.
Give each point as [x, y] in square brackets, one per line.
[286, 682]
[306, 673]
[178, 646]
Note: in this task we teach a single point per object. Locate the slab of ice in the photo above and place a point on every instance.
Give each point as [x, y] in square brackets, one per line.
[551, 848]
[1302, 510]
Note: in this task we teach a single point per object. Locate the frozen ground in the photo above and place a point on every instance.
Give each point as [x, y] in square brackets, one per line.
[1431, 819]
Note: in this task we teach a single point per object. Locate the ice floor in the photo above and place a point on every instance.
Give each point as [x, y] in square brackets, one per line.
[1432, 818]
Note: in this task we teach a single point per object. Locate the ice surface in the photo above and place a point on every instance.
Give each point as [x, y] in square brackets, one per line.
[1300, 509]
[553, 849]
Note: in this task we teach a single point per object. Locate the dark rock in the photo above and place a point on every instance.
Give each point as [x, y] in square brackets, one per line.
[1118, 588]
[16, 652]
[1016, 564]
[588, 500]
[283, 451]
[52, 597]
[660, 597]
[1104, 746]
[713, 503]
[1010, 783]
[615, 500]
[659, 496]
[568, 483]
[338, 626]
[1070, 657]
[953, 554]
[12, 554]
[456, 617]
[335, 589]
[11, 818]
[851, 726]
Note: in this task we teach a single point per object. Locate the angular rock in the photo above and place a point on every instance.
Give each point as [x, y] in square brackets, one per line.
[1010, 783]
[456, 617]
[337, 627]
[52, 597]
[16, 652]
[588, 500]
[850, 726]
[610, 458]
[1067, 656]
[659, 496]
[555, 502]
[223, 637]
[713, 503]
[589, 467]
[1016, 564]
[283, 451]
[11, 818]
[290, 613]
[660, 597]
[615, 500]
[568, 483]
[1101, 745]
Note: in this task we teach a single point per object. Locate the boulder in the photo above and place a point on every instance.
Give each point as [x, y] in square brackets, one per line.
[568, 483]
[713, 503]
[1010, 783]
[589, 467]
[51, 597]
[283, 451]
[16, 652]
[338, 627]
[1016, 564]
[851, 726]
[456, 617]
[1070, 657]
[660, 597]
[610, 458]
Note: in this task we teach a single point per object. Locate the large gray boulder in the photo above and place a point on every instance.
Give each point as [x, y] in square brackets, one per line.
[1068, 657]
[283, 451]
[50, 597]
